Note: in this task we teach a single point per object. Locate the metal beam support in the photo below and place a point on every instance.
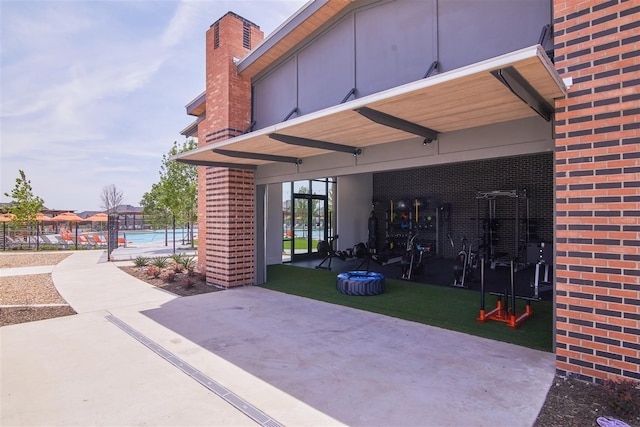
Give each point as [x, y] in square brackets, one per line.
[313, 143]
[291, 113]
[434, 65]
[521, 88]
[397, 123]
[216, 164]
[258, 156]
[351, 92]
[250, 128]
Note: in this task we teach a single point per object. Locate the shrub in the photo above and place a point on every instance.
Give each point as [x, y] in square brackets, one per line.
[141, 261]
[153, 271]
[160, 262]
[178, 268]
[168, 275]
[189, 263]
[177, 258]
[623, 397]
[187, 282]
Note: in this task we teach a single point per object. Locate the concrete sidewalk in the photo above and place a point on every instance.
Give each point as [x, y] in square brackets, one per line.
[136, 355]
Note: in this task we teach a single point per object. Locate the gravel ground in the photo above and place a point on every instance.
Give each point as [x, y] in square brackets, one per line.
[21, 297]
[31, 259]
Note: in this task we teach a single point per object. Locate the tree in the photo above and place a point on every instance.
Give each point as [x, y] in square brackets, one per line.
[111, 198]
[24, 204]
[301, 208]
[156, 214]
[177, 191]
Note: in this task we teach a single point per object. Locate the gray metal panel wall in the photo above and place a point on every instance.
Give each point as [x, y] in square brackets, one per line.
[471, 31]
[378, 46]
[325, 69]
[276, 95]
[395, 44]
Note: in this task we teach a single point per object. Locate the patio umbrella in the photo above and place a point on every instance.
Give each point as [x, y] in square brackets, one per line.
[5, 218]
[40, 217]
[99, 217]
[70, 217]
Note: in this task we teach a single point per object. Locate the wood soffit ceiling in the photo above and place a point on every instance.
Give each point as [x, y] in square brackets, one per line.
[464, 98]
[300, 32]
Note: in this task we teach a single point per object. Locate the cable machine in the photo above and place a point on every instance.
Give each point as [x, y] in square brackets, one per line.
[491, 226]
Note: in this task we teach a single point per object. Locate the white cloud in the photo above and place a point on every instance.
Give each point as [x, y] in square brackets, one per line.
[93, 91]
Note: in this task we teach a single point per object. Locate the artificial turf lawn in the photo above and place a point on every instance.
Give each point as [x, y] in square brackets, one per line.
[445, 307]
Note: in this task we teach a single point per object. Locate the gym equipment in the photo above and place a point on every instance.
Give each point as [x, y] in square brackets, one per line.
[465, 265]
[505, 310]
[491, 226]
[326, 250]
[359, 251]
[360, 283]
[542, 255]
[407, 216]
[414, 257]
[372, 228]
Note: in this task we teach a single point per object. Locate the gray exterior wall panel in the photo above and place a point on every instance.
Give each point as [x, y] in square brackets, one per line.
[276, 95]
[471, 31]
[326, 69]
[394, 44]
[378, 46]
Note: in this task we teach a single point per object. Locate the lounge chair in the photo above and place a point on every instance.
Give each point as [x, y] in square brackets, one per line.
[51, 240]
[100, 240]
[62, 242]
[11, 243]
[83, 241]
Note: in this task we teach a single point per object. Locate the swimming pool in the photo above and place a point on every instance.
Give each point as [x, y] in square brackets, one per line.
[153, 236]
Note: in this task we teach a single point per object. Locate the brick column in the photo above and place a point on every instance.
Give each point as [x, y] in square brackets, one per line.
[226, 196]
[598, 189]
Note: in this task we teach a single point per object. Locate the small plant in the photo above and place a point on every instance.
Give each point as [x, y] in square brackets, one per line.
[178, 268]
[141, 261]
[153, 271]
[168, 275]
[187, 282]
[189, 263]
[623, 397]
[160, 262]
[177, 258]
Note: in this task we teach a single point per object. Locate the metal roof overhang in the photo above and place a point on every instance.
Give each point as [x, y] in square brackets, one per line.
[513, 86]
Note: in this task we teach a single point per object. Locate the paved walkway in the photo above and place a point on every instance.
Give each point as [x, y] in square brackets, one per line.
[137, 355]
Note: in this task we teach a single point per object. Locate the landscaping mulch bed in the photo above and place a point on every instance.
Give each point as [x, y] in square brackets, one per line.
[17, 315]
[574, 403]
[21, 296]
[198, 286]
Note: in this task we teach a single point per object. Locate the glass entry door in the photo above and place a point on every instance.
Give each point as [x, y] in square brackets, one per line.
[310, 226]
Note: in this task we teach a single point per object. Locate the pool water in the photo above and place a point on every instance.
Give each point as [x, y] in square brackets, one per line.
[154, 236]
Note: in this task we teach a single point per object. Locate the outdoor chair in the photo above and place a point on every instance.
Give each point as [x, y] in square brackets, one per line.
[51, 240]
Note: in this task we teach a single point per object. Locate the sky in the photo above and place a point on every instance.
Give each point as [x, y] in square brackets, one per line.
[93, 92]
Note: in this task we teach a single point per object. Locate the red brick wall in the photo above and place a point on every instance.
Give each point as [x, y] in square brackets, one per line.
[226, 197]
[229, 242]
[598, 189]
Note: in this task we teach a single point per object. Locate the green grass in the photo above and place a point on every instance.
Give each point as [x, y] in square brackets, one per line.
[300, 244]
[445, 307]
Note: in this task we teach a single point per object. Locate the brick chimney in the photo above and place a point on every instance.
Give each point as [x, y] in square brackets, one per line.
[226, 196]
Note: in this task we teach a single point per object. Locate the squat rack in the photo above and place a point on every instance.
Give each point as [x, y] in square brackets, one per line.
[490, 197]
